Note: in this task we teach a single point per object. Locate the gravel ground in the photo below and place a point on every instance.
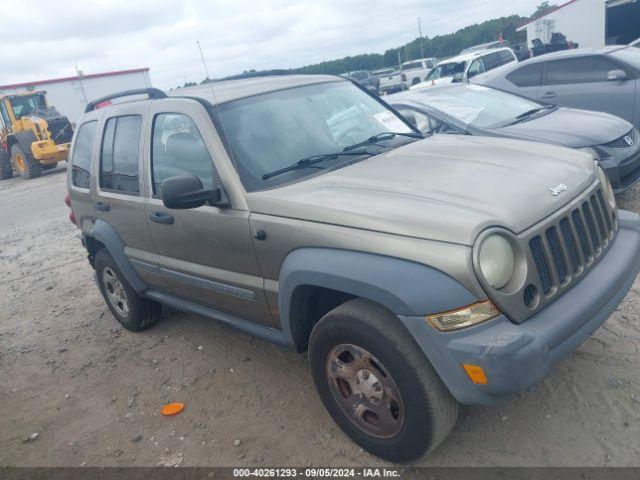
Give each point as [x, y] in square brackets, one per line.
[76, 389]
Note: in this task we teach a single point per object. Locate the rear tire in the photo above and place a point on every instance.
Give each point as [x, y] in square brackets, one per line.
[6, 170]
[49, 166]
[132, 311]
[415, 411]
[27, 166]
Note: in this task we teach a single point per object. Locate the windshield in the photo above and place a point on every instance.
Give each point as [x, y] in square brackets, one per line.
[628, 55]
[445, 70]
[268, 132]
[477, 106]
[27, 104]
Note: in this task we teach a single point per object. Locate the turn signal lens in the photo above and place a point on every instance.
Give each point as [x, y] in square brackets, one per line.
[606, 188]
[476, 374]
[463, 317]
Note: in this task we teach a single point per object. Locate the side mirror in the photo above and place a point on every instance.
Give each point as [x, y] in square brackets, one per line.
[617, 76]
[186, 191]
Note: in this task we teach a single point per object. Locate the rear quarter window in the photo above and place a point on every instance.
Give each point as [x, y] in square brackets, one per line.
[82, 150]
[506, 57]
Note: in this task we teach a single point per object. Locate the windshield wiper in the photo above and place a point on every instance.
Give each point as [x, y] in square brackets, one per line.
[314, 159]
[384, 136]
[533, 111]
[528, 113]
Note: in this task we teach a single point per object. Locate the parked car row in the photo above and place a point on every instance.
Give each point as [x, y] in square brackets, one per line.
[419, 271]
[602, 79]
[469, 109]
[390, 80]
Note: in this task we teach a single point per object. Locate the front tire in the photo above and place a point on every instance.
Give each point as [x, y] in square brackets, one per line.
[132, 311]
[377, 384]
[27, 166]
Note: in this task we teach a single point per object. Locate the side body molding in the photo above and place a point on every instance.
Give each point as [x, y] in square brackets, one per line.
[106, 235]
[403, 287]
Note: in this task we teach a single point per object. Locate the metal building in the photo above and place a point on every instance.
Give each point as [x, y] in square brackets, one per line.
[587, 23]
[70, 95]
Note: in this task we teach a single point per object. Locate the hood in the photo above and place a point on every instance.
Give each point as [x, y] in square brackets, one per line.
[431, 83]
[446, 188]
[571, 128]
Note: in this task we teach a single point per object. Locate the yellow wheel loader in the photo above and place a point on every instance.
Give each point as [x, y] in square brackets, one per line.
[33, 136]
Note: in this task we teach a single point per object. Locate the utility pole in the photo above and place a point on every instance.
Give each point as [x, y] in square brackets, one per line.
[421, 41]
[80, 74]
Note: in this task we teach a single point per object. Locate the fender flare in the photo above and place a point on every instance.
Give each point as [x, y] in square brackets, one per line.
[401, 286]
[24, 139]
[106, 235]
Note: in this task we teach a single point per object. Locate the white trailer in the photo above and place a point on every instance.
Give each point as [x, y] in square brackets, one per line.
[70, 95]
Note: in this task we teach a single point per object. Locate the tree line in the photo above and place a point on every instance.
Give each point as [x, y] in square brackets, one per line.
[440, 46]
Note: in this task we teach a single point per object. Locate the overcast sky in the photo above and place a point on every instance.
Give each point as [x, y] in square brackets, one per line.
[40, 40]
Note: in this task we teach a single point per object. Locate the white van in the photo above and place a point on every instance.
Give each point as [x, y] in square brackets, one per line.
[466, 66]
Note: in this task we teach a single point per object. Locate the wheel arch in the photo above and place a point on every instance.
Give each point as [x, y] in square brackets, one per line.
[102, 235]
[401, 286]
[24, 139]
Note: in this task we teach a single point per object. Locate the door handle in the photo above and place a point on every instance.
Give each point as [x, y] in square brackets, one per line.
[103, 207]
[159, 217]
[549, 95]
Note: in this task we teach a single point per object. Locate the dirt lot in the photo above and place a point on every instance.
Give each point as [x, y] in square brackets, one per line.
[91, 390]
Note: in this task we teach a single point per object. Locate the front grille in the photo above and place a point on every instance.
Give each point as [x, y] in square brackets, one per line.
[569, 245]
[60, 130]
[558, 252]
[622, 142]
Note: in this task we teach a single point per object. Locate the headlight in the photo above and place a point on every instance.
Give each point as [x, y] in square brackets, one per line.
[497, 260]
[607, 190]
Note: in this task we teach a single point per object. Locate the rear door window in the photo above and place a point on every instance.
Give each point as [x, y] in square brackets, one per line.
[578, 70]
[527, 76]
[119, 160]
[178, 149]
[82, 150]
[491, 61]
[413, 66]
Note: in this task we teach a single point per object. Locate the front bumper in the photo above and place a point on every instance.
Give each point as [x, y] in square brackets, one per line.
[623, 174]
[45, 151]
[515, 357]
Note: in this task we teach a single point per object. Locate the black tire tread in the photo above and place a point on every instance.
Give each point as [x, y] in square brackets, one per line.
[34, 169]
[365, 314]
[144, 312]
[6, 170]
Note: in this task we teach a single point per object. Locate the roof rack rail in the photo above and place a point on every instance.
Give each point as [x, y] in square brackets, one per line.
[152, 93]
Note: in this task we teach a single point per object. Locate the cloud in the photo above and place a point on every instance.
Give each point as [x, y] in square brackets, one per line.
[235, 36]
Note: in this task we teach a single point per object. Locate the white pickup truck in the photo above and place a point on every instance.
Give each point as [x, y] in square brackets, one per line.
[390, 80]
[415, 71]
